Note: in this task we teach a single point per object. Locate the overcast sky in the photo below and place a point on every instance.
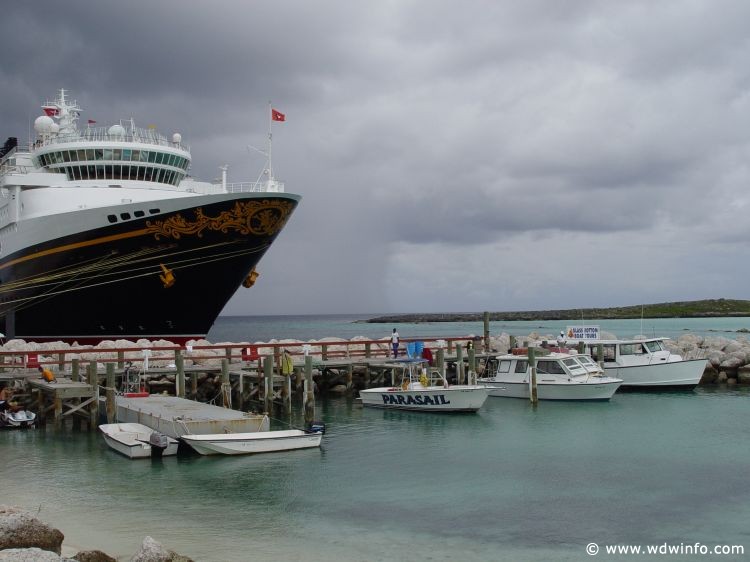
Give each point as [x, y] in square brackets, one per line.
[451, 156]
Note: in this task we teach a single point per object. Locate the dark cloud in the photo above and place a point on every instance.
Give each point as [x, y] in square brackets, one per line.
[422, 134]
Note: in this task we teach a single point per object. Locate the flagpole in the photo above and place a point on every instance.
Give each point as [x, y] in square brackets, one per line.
[270, 137]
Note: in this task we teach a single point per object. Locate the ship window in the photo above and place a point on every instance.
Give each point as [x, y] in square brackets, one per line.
[138, 213]
[549, 367]
[522, 366]
[149, 172]
[69, 172]
[89, 154]
[100, 172]
[98, 154]
[108, 171]
[81, 155]
[116, 154]
[144, 155]
[154, 211]
[66, 156]
[76, 173]
[125, 216]
[171, 159]
[73, 154]
[141, 173]
[654, 346]
[159, 157]
[108, 154]
[84, 173]
[112, 218]
[135, 155]
[117, 172]
[126, 154]
[631, 349]
[152, 156]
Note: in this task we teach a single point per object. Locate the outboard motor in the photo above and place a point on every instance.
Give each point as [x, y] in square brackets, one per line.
[316, 427]
[158, 442]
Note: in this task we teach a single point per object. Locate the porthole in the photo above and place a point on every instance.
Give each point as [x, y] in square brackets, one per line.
[125, 216]
[138, 213]
[112, 218]
[154, 211]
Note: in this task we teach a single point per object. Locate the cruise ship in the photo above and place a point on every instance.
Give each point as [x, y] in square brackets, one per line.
[104, 234]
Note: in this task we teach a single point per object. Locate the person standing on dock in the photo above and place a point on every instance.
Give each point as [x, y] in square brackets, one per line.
[394, 343]
[287, 364]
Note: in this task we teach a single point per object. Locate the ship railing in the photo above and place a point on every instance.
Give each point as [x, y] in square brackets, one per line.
[102, 134]
[245, 187]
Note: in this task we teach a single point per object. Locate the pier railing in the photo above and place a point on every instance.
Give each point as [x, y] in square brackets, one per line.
[234, 352]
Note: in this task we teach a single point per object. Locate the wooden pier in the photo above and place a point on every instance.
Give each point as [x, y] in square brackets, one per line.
[244, 376]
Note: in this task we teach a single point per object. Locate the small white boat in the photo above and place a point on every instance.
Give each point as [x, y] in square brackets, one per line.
[137, 441]
[560, 376]
[17, 419]
[423, 392]
[250, 443]
[646, 363]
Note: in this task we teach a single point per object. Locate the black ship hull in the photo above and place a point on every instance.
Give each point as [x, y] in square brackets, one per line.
[163, 276]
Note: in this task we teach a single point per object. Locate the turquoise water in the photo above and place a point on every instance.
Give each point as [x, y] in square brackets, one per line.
[509, 483]
[264, 328]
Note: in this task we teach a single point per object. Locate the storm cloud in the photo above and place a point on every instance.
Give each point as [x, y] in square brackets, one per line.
[451, 156]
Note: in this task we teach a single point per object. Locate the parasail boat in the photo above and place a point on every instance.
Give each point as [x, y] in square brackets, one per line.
[423, 391]
[111, 216]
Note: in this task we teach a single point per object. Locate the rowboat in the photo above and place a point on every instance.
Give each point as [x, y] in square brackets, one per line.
[137, 441]
[251, 443]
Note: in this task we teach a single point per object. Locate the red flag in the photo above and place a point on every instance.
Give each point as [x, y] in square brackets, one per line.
[91, 121]
[50, 111]
[277, 115]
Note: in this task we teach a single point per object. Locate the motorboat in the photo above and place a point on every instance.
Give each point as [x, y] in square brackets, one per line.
[137, 441]
[17, 419]
[646, 363]
[252, 443]
[424, 390]
[112, 215]
[559, 376]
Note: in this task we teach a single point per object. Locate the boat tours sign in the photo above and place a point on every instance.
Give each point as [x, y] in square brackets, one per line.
[579, 333]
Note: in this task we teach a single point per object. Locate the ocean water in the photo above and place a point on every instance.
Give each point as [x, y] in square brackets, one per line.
[511, 482]
[265, 328]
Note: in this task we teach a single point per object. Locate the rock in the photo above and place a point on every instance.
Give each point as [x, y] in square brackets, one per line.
[338, 389]
[154, 551]
[731, 381]
[19, 529]
[30, 555]
[93, 556]
[730, 363]
[743, 377]
[721, 377]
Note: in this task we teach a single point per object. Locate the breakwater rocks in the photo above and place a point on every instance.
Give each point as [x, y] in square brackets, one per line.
[24, 538]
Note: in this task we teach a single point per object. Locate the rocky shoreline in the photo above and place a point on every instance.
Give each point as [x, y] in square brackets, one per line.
[25, 538]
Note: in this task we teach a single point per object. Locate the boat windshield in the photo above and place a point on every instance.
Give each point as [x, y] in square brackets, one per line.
[550, 367]
[654, 346]
[574, 366]
[587, 361]
[632, 349]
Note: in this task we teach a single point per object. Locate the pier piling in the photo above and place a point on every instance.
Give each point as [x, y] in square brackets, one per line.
[533, 390]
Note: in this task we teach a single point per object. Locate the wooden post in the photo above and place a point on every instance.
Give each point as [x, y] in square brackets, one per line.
[240, 391]
[324, 352]
[532, 363]
[486, 332]
[459, 364]
[75, 370]
[226, 398]
[368, 350]
[40, 404]
[450, 346]
[581, 347]
[61, 362]
[440, 363]
[228, 353]
[93, 381]
[179, 362]
[600, 354]
[57, 399]
[309, 399]
[120, 359]
[287, 393]
[512, 343]
[110, 393]
[193, 385]
[349, 377]
[367, 376]
[268, 372]
[472, 365]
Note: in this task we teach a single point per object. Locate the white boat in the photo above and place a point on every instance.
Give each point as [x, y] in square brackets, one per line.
[421, 391]
[138, 441]
[560, 376]
[646, 363]
[17, 419]
[250, 443]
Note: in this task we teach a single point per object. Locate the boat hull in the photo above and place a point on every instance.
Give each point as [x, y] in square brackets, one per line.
[456, 398]
[252, 443]
[132, 440]
[555, 391]
[676, 374]
[166, 274]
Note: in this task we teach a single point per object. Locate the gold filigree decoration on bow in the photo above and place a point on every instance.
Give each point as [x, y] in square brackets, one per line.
[247, 217]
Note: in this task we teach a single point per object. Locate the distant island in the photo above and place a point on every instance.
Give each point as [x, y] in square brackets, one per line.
[687, 309]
